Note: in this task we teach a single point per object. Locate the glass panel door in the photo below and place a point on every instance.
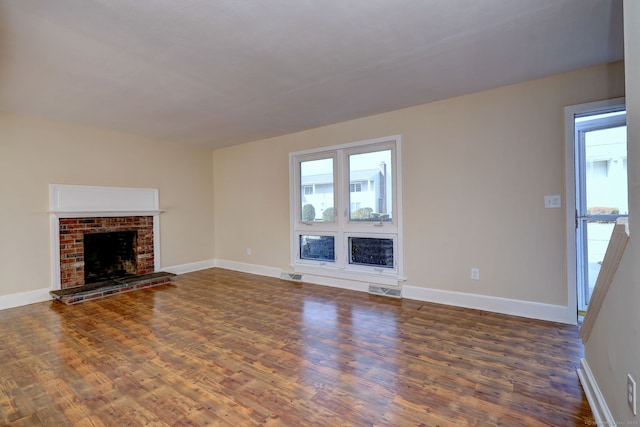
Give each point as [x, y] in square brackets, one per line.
[601, 184]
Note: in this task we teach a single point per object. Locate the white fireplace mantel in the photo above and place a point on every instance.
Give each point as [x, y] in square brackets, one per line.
[80, 201]
[87, 200]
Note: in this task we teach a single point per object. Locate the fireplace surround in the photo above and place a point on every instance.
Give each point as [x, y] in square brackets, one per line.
[74, 233]
[76, 210]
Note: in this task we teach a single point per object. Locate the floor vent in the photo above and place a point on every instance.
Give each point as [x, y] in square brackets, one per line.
[294, 277]
[387, 292]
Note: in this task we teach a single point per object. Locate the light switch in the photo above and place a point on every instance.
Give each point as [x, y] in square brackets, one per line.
[552, 202]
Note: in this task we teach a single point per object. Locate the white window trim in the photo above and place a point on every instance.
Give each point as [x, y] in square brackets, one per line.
[343, 229]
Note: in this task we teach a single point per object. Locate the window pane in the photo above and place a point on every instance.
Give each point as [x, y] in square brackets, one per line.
[371, 251]
[317, 248]
[370, 197]
[316, 192]
[597, 239]
[606, 171]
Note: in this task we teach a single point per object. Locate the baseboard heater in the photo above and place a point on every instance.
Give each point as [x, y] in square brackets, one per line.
[387, 292]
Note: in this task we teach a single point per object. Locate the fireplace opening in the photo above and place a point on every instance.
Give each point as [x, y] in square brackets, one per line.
[109, 255]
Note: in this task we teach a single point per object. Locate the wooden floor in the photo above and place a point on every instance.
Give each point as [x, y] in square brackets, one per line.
[226, 348]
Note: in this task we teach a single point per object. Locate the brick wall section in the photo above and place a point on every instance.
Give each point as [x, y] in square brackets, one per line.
[72, 231]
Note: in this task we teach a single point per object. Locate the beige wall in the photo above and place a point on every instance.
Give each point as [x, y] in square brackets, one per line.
[35, 153]
[613, 349]
[475, 171]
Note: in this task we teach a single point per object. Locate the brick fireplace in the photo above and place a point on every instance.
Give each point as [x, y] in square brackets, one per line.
[72, 237]
[78, 210]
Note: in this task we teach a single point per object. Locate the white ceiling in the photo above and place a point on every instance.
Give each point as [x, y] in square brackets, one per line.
[220, 72]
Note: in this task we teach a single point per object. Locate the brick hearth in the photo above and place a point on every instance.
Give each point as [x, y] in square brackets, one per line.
[93, 291]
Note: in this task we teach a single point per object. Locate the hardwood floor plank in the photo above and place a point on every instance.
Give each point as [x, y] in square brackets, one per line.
[231, 349]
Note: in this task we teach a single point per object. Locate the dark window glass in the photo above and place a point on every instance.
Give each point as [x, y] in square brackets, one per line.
[371, 251]
[317, 248]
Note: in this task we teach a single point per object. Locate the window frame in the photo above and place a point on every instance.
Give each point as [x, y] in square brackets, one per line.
[342, 228]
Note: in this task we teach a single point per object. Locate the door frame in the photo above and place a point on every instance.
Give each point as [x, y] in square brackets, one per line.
[570, 113]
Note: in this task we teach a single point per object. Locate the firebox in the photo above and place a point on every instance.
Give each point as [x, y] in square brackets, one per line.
[109, 255]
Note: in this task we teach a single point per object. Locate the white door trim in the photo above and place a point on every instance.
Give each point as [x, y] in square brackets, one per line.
[570, 190]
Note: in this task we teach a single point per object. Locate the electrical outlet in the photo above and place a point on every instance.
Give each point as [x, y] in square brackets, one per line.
[249, 251]
[631, 393]
[475, 273]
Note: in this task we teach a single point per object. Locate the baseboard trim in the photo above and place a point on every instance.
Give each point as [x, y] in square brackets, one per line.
[601, 414]
[42, 295]
[24, 298]
[336, 283]
[190, 267]
[533, 310]
[260, 270]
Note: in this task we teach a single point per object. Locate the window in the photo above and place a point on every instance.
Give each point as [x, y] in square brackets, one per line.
[345, 219]
[374, 251]
[319, 248]
[318, 173]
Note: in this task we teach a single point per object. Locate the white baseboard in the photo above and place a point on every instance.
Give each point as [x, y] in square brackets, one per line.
[188, 268]
[24, 298]
[262, 270]
[553, 313]
[480, 302]
[336, 283]
[533, 310]
[41, 295]
[243, 267]
[601, 414]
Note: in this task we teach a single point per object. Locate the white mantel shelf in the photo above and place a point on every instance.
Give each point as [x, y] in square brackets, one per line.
[90, 214]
